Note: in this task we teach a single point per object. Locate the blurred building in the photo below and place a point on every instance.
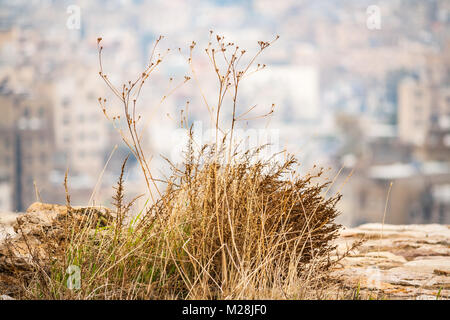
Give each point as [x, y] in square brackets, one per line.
[419, 193]
[424, 109]
[414, 115]
[293, 88]
[27, 148]
[80, 128]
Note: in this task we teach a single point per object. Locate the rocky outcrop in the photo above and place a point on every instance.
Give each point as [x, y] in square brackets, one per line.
[31, 240]
[397, 261]
[40, 231]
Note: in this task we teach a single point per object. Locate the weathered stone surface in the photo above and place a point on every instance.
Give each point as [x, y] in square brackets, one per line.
[397, 261]
[6, 224]
[40, 231]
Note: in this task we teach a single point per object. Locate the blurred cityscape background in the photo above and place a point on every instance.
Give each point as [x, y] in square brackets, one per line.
[361, 87]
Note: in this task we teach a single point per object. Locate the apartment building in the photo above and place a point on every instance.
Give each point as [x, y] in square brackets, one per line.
[80, 128]
[27, 146]
[424, 108]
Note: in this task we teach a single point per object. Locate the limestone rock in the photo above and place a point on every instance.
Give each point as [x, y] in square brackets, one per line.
[7, 220]
[41, 231]
[397, 261]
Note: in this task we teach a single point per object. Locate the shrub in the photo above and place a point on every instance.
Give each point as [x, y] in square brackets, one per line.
[228, 225]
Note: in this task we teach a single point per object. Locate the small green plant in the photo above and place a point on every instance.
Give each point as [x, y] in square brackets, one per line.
[438, 295]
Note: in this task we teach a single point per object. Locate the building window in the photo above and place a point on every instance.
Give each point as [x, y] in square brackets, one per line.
[7, 142]
[362, 199]
[65, 102]
[26, 112]
[434, 118]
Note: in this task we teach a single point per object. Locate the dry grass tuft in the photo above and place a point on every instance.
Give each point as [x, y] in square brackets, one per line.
[220, 231]
[250, 229]
[227, 226]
